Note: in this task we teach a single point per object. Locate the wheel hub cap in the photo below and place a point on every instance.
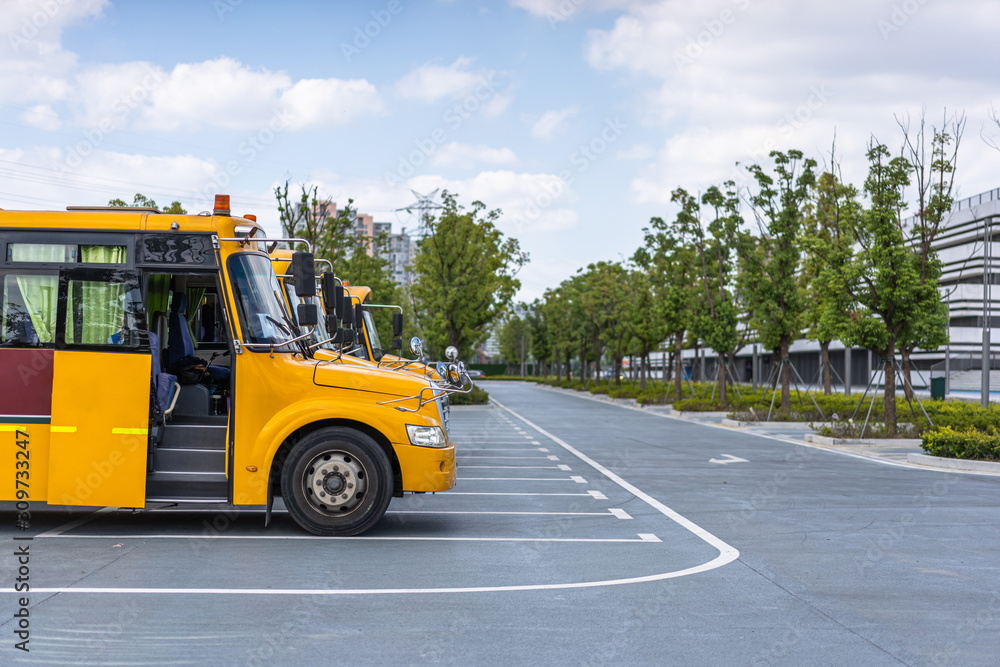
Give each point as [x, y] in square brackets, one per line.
[334, 482]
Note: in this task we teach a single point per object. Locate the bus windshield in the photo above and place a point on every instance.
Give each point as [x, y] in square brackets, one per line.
[258, 298]
[373, 339]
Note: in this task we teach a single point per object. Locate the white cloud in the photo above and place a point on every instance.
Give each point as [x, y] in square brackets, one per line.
[221, 93]
[45, 178]
[728, 81]
[551, 122]
[455, 154]
[41, 116]
[429, 83]
[638, 152]
[33, 65]
[317, 102]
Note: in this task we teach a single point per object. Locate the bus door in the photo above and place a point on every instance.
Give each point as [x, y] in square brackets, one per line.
[100, 390]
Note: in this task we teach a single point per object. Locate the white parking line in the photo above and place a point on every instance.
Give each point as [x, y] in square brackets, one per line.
[727, 553]
[610, 512]
[517, 458]
[597, 495]
[578, 480]
[514, 467]
[508, 449]
[642, 537]
[76, 523]
[620, 513]
[564, 467]
[511, 493]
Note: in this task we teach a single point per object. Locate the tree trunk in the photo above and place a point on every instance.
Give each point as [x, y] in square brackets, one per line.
[558, 362]
[786, 375]
[721, 368]
[642, 372]
[907, 382]
[890, 388]
[678, 364]
[696, 366]
[618, 371]
[824, 354]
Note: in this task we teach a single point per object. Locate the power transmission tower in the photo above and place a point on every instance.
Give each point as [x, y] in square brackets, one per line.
[422, 207]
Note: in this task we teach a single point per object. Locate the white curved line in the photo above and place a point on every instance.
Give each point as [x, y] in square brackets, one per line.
[727, 554]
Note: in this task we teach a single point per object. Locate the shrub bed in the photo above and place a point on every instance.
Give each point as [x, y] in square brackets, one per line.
[477, 396]
[967, 444]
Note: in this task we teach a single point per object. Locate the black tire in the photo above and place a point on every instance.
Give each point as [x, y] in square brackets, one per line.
[336, 482]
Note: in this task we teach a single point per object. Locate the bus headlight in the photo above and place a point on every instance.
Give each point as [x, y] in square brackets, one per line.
[426, 436]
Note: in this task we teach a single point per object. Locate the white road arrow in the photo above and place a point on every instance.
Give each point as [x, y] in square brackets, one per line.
[729, 458]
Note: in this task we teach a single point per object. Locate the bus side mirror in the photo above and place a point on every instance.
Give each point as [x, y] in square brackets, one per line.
[359, 317]
[344, 336]
[307, 314]
[338, 302]
[397, 328]
[346, 311]
[303, 271]
[329, 284]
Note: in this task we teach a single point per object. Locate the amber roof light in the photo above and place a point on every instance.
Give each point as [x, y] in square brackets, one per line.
[221, 205]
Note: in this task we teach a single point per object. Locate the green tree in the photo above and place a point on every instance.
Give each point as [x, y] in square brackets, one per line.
[541, 340]
[879, 285]
[142, 201]
[604, 296]
[770, 262]
[645, 318]
[716, 313]
[464, 276]
[824, 246]
[515, 343]
[670, 263]
[332, 236]
[934, 179]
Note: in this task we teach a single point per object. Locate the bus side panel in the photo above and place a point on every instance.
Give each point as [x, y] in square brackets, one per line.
[25, 409]
[100, 426]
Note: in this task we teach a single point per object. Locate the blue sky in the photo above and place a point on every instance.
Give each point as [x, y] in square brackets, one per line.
[575, 117]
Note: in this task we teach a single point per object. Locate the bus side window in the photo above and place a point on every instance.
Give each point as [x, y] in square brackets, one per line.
[103, 308]
[28, 310]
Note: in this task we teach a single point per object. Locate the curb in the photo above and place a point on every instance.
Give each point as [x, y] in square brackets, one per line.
[832, 442]
[953, 464]
[738, 424]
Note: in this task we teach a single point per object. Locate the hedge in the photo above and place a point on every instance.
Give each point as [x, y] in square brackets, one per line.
[966, 444]
[475, 397]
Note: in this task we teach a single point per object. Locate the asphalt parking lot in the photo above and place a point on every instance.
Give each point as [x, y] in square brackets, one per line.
[578, 533]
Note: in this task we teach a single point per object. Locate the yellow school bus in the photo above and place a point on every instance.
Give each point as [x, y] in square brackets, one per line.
[363, 345]
[149, 357]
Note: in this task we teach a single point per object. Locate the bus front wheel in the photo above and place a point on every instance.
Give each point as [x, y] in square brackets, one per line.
[337, 482]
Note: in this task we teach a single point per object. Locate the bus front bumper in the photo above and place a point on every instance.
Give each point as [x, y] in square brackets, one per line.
[426, 469]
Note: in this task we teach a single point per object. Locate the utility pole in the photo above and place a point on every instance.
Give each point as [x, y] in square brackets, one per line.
[423, 206]
[847, 370]
[522, 355]
[987, 279]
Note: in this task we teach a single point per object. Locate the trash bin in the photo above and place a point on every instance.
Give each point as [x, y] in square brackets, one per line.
[937, 388]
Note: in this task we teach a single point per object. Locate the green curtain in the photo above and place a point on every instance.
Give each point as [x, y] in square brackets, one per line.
[100, 307]
[158, 295]
[39, 292]
[194, 297]
[102, 254]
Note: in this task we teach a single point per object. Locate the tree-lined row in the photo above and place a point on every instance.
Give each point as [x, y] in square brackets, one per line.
[462, 276]
[815, 256]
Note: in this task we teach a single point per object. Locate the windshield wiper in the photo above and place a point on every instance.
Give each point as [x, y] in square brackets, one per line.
[281, 326]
